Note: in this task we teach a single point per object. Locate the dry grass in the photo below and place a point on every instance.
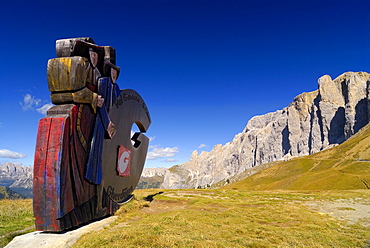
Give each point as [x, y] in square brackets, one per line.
[16, 217]
[313, 213]
[219, 218]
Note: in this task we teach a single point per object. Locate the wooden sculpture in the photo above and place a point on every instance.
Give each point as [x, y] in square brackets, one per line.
[86, 161]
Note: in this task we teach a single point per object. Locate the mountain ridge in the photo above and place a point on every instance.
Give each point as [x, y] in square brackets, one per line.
[17, 178]
[313, 122]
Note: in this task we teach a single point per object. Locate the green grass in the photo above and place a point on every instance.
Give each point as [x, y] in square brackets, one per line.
[215, 218]
[232, 218]
[16, 217]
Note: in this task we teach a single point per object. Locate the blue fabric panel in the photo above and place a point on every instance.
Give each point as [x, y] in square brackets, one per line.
[93, 171]
[102, 87]
[104, 117]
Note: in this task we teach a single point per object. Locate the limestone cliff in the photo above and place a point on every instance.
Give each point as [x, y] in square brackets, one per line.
[313, 122]
[151, 178]
[17, 177]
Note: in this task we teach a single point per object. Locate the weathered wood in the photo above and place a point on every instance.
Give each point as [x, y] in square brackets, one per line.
[47, 172]
[61, 98]
[39, 178]
[77, 195]
[85, 163]
[81, 47]
[129, 108]
[68, 48]
[67, 74]
[59, 110]
[85, 95]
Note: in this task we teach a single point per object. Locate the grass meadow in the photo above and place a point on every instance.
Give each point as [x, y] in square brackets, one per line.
[218, 218]
[16, 217]
[232, 218]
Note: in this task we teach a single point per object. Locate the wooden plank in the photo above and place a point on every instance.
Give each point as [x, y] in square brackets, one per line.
[47, 172]
[53, 164]
[61, 98]
[60, 110]
[39, 173]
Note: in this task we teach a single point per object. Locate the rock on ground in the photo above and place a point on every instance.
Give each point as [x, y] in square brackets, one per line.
[57, 240]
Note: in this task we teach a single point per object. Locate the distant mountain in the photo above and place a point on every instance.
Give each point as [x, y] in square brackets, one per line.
[346, 166]
[151, 178]
[6, 193]
[313, 122]
[17, 178]
[20, 178]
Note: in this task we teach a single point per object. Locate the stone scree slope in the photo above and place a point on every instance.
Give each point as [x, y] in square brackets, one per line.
[314, 121]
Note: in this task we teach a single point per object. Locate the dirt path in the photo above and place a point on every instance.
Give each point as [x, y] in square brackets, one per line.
[351, 210]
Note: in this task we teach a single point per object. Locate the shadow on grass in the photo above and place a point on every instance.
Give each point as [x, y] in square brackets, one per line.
[150, 198]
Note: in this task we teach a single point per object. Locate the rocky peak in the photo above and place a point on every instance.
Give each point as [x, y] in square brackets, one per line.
[194, 155]
[151, 172]
[17, 177]
[312, 122]
[15, 170]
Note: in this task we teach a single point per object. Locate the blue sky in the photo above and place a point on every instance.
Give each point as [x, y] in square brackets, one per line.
[203, 67]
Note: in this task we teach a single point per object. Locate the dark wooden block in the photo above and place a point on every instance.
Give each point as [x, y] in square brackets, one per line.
[61, 98]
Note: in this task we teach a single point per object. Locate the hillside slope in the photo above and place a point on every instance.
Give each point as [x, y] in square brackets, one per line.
[6, 193]
[346, 166]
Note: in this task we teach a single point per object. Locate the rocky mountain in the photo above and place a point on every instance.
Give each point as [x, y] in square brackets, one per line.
[151, 178]
[342, 167]
[151, 172]
[314, 121]
[17, 178]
